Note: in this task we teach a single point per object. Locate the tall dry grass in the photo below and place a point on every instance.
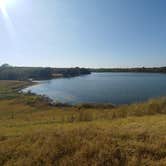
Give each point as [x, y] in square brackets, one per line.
[34, 133]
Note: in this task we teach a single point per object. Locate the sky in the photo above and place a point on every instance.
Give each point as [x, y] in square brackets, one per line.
[84, 33]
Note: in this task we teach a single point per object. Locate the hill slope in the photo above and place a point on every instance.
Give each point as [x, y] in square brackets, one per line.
[32, 132]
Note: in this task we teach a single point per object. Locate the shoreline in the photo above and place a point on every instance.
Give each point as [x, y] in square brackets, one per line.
[53, 100]
[53, 103]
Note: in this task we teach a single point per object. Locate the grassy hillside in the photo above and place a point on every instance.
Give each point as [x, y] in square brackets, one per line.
[33, 132]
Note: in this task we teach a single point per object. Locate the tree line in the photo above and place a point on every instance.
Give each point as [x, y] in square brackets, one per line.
[70, 72]
[142, 69]
[8, 72]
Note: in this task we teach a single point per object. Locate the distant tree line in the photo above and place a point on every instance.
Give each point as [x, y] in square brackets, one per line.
[70, 72]
[24, 73]
[142, 69]
[8, 72]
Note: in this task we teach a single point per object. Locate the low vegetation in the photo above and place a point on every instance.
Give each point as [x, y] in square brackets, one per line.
[8, 72]
[139, 69]
[35, 132]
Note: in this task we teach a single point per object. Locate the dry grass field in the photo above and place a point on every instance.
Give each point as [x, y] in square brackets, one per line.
[34, 133]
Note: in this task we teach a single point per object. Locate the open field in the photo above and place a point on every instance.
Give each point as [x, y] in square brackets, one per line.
[33, 132]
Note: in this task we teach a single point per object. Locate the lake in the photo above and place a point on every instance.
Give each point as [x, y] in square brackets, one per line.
[116, 88]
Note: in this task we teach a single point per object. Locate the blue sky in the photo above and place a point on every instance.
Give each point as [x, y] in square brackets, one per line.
[85, 33]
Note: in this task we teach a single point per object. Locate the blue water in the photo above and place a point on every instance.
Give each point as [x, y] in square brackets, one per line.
[116, 88]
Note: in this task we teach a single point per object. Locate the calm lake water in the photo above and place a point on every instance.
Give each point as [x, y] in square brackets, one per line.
[116, 88]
